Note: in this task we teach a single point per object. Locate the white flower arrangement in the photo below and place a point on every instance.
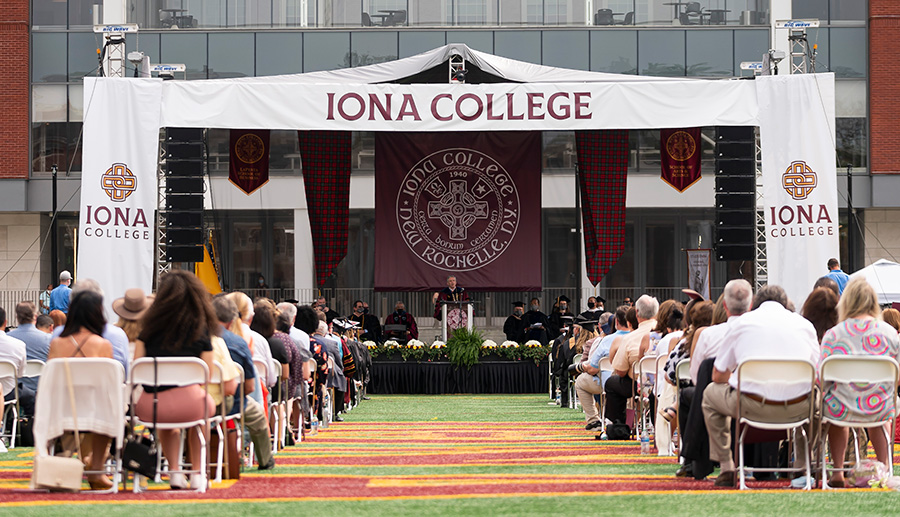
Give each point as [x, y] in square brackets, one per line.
[415, 343]
[390, 343]
[489, 344]
[439, 344]
[509, 344]
[533, 344]
[370, 344]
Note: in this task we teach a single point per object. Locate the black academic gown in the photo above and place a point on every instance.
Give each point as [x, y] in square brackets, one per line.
[538, 334]
[556, 323]
[514, 328]
[370, 324]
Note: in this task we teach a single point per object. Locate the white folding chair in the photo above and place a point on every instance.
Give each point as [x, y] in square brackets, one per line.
[8, 370]
[262, 371]
[219, 422]
[274, 406]
[794, 373]
[33, 368]
[100, 406]
[178, 372]
[573, 400]
[858, 369]
[642, 370]
[605, 366]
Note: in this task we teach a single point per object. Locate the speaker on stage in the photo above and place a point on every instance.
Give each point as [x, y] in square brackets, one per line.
[735, 193]
[184, 153]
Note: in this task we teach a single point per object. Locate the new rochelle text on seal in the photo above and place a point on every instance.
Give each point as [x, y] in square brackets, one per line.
[458, 209]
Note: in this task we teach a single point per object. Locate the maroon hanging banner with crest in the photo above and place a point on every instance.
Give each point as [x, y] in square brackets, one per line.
[679, 151]
[248, 164]
[461, 204]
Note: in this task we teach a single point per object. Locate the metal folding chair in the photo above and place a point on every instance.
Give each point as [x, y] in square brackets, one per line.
[858, 369]
[573, 400]
[642, 370]
[8, 370]
[773, 371]
[220, 421]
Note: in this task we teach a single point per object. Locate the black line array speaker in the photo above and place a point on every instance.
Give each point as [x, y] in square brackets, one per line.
[735, 193]
[184, 194]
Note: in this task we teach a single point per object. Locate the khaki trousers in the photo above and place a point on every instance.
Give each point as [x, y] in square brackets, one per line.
[586, 386]
[720, 405]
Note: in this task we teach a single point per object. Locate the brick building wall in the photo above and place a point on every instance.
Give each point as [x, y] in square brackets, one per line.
[14, 105]
[884, 100]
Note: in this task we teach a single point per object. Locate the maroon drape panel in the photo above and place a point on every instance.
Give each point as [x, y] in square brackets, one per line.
[602, 170]
[326, 177]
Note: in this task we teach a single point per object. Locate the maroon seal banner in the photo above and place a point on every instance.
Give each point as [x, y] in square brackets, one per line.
[679, 150]
[461, 204]
[248, 166]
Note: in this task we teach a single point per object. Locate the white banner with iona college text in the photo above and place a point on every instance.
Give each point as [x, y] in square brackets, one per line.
[799, 178]
[116, 239]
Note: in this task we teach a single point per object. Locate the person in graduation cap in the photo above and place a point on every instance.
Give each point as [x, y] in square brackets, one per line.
[536, 323]
[368, 323]
[594, 308]
[557, 321]
[514, 327]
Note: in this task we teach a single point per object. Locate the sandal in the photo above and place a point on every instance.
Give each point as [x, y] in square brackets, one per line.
[669, 414]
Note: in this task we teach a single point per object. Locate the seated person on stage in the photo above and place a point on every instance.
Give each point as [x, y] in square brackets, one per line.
[625, 353]
[322, 306]
[771, 329]
[594, 307]
[370, 329]
[591, 380]
[515, 324]
[401, 317]
[456, 314]
[557, 317]
[536, 323]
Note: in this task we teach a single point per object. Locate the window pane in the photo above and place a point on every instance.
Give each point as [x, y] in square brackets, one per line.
[217, 141]
[76, 102]
[848, 52]
[566, 49]
[661, 53]
[288, 13]
[558, 150]
[850, 140]
[230, 55]
[512, 12]
[561, 247]
[622, 273]
[146, 43]
[246, 244]
[850, 98]
[284, 151]
[815, 9]
[855, 10]
[362, 151]
[249, 13]
[48, 13]
[196, 13]
[83, 59]
[279, 53]
[412, 43]
[749, 45]
[282, 253]
[614, 52]
[368, 48]
[81, 12]
[473, 12]
[48, 103]
[48, 57]
[660, 241]
[74, 146]
[424, 12]
[387, 13]
[479, 40]
[741, 12]
[815, 37]
[189, 49]
[357, 269]
[48, 140]
[325, 51]
[648, 151]
[709, 53]
[520, 45]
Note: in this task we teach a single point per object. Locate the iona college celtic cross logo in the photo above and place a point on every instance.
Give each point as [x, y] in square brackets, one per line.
[458, 209]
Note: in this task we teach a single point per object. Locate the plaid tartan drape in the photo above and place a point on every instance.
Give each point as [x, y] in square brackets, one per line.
[326, 177]
[602, 169]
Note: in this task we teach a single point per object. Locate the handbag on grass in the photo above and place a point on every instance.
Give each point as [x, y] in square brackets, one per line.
[140, 453]
[58, 473]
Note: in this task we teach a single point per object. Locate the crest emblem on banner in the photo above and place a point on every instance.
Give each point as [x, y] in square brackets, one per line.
[799, 180]
[679, 157]
[249, 148]
[118, 182]
[462, 205]
[248, 160]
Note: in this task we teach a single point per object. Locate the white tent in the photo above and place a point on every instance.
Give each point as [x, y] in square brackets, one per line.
[884, 277]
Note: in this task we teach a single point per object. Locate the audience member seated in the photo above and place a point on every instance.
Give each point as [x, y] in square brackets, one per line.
[264, 324]
[892, 318]
[37, 343]
[590, 379]
[665, 406]
[130, 309]
[401, 317]
[772, 329]
[620, 386]
[371, 329]
[58, 317]
[44, 323]
[82, 338]
[259, 346]
[820, 308]
[15, 351]
[289, 313]
[179, 323]
[859, 333]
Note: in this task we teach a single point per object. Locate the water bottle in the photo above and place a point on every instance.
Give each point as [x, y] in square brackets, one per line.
[314, 427]
[645, 442]
[558, 397]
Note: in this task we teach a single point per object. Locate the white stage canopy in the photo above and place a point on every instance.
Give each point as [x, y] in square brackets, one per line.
[884, 276]
[123, 117]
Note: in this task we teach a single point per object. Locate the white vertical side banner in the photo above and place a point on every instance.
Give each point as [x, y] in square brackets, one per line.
[116, 245]
[799, 178]
[698, 271]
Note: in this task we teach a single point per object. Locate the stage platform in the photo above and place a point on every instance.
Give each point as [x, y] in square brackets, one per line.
[441, 377]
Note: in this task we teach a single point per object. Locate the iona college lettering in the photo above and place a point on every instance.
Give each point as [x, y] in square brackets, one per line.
[799, 220]
[458, 209]
[117, 222]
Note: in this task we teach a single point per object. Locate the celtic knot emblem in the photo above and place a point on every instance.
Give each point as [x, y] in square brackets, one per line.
[681, 145]
[249, 148]
[118, 182]
[799, 180]
[458, 210]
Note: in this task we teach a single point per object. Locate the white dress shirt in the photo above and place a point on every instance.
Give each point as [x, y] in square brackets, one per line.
[12, 349]
[708, 344]
[300, 338]
[771, 331]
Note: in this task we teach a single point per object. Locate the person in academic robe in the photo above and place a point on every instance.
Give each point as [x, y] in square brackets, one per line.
[536, 323]
[594, 308]
[456, 314]
[557, 316]
[369, 327]
[514, 327]
[401, 317]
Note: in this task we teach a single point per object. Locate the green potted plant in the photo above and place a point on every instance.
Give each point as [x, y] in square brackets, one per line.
[464, 347]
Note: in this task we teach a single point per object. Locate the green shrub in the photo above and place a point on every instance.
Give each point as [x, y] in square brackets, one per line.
[464, 347]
